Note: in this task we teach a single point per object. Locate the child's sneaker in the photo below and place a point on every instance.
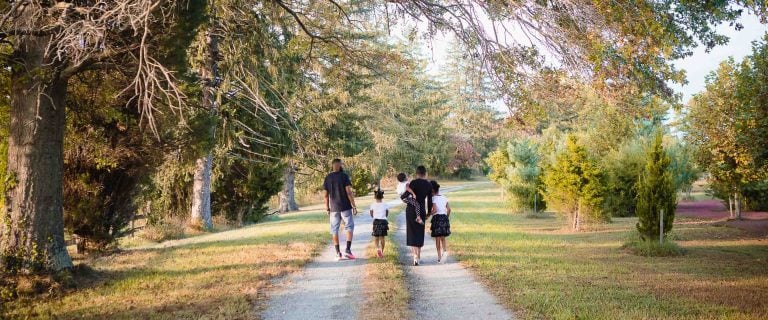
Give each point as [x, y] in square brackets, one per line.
[349, 255]
[445, 255]
[379, 254]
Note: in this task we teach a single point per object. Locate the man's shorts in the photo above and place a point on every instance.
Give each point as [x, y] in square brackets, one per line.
[336, 217]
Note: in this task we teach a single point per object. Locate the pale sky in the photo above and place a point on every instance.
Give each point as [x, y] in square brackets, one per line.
[696, 66]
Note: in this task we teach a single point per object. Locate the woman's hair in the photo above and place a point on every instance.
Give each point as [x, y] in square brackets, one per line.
[435, 186]
[378, 194]
[421, 170]
[401, 177]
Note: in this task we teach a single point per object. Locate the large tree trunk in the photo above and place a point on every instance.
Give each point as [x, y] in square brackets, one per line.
[201, 189]
[32, 223]
[201, 192]
[287, 197]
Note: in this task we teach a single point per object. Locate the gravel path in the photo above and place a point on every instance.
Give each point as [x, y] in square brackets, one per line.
[326, 288]
[445, 291]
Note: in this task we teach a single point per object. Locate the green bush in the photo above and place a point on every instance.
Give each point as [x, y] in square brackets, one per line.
[622, 167]
[652, 248]
[463, 173]
[516, 167]
[755, 196]
[574, 184]
[166, 229]
[362, 181]
[242, 189]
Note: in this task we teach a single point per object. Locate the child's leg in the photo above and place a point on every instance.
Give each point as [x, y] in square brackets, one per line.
[445, 243]
[383, 240]
[438, 244]
[378, 243]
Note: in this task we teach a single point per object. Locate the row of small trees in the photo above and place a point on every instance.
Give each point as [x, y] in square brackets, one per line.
[585, 188]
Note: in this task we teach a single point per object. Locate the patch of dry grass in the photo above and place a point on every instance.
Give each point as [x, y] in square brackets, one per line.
[386, 294]
[541, 271]
[222, 275]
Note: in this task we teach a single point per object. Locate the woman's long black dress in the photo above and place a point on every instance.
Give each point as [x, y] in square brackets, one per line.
[414, 230]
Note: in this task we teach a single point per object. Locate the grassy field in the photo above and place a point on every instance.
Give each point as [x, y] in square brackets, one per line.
[541, 271]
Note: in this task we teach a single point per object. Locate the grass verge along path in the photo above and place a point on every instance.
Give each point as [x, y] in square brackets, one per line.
[385, 290]
[215, 276]
[541, 271]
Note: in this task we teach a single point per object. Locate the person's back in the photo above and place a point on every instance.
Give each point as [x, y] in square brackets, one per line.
[440, 202]
[423, 191]
[336, 184]
[340, 206]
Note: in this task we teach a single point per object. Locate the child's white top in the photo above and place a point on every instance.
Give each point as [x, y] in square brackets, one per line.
[401, 187]
[440, 202]
[379, 210]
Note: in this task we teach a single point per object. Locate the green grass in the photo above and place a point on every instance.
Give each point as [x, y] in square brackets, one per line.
[541, 271]
[652, 248]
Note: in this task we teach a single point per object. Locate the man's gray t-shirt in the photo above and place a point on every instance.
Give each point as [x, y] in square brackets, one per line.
[336, 184]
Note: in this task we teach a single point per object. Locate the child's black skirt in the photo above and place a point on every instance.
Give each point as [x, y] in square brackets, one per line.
[380, 227]
[441, 226]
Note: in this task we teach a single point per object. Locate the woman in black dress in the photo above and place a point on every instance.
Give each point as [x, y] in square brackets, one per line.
[416, 212]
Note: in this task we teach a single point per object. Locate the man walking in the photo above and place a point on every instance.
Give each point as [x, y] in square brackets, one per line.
[340, 205]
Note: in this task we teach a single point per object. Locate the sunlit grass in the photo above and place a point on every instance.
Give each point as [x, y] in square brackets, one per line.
[221, 275]
[539, 269]
[386, 291]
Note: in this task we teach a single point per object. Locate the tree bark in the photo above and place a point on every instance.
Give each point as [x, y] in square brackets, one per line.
[730, 207]
[201, 192]
[201, 189]
[287, 197]
[32, 223]
[577, 218]
[737, 204]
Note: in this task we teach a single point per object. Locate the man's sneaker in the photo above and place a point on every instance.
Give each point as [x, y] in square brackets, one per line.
[338, 256]
[379, 254]
[349, 255]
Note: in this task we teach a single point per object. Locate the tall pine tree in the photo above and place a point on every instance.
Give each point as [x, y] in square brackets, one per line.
[655, 192]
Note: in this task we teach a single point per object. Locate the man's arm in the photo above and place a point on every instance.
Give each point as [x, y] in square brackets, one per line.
[351, 198]
[327, 203]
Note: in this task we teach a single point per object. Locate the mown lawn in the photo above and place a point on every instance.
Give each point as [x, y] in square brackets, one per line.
[541, 271]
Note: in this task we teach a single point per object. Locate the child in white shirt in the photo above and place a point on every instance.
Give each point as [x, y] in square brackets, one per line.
[379, 212]
[441, 225]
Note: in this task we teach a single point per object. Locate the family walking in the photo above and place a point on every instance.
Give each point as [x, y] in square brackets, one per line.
[421, 196]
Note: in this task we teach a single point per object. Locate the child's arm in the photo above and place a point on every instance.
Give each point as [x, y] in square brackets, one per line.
[433, 211]
[408, 188]
[387, 213]
[448, 207]
[371, 212]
